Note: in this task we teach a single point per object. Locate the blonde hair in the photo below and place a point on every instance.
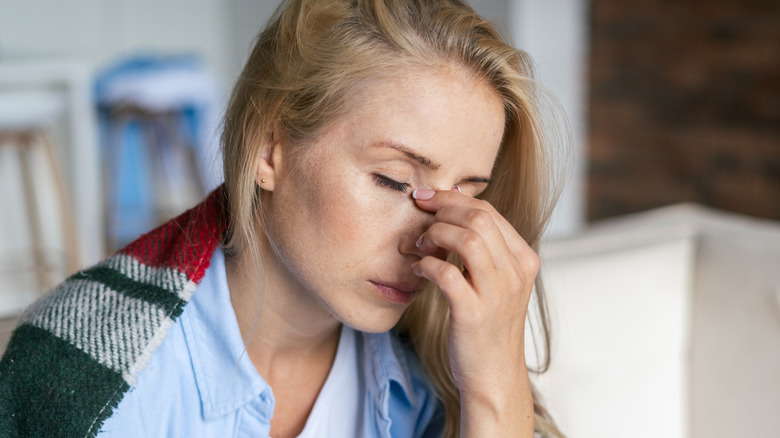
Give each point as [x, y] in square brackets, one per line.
[315, 56]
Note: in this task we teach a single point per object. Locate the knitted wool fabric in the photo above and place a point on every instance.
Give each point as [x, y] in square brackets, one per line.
[78, 349]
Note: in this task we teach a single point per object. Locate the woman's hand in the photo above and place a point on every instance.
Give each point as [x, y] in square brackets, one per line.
[488, 303]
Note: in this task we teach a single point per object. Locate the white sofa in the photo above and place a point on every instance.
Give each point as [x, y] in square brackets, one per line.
[667, 324]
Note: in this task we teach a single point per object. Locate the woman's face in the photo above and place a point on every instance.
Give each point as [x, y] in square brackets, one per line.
[341, 219]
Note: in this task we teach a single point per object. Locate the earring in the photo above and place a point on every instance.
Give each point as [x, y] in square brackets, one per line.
[262, 181]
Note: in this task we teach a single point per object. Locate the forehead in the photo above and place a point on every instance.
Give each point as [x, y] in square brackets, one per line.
[447, 114]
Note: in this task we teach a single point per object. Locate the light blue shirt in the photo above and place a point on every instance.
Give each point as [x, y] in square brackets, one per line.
[201, 383]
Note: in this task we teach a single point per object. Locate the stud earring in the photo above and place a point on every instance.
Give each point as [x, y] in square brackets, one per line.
[262, 181]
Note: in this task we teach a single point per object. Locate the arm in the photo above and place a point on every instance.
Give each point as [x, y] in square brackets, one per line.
[488, 305]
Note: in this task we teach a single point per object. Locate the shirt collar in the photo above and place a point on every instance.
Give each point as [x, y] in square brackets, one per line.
[226, 377]
[387, 358]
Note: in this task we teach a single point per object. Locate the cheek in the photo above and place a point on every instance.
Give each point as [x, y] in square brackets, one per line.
[333, 211]
[343, 222]
[354, 216]
[339, 218]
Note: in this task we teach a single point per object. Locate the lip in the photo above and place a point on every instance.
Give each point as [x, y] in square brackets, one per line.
[399, 293]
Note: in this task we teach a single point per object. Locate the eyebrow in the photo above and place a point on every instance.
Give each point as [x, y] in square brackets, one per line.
[427, 162]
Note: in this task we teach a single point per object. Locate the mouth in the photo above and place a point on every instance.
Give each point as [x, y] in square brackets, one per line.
[398, 293]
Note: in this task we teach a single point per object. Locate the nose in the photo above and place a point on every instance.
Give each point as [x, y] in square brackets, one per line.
[419, 222]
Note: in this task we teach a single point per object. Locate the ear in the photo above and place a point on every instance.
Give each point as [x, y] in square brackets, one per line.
[270, 162]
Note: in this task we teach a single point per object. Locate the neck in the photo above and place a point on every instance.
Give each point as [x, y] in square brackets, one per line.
[280, 322]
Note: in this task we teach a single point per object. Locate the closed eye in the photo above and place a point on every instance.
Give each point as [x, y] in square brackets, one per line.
[384, 181]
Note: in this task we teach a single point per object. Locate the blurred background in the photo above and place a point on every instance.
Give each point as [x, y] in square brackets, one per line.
[662, 260]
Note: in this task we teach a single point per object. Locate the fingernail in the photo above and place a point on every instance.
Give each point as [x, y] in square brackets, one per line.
[458, 189]
[414, 268]
[420, 241]
[423, 195]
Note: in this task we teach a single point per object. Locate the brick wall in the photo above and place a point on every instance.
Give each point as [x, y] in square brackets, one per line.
[684, 105]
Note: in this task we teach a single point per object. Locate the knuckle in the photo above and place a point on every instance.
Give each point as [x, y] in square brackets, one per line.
[533, 262]
[449, 274]
[471, 242]
[486, 207]
[479, 219]
[528, 261]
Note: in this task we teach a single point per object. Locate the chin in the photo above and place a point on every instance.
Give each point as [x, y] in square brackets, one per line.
[374, 322]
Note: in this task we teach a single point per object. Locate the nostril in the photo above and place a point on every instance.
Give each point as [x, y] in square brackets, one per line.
[407, 245]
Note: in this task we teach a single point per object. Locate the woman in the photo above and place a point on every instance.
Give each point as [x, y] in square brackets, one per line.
[385, 168]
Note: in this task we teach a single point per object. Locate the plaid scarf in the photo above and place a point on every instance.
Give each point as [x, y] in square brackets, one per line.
[77, 350]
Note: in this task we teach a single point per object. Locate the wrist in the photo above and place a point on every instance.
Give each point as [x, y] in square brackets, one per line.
[498, 406]
[501, 410]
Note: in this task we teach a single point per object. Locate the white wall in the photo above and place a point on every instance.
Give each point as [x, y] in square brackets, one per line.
[247, 17]
[555, 34]
[99, 31]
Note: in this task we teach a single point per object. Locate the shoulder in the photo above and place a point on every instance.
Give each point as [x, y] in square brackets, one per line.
[77, 350]
[164, 399]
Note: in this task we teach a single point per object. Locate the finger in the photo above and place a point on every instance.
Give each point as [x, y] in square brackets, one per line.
[472, 249]
[480, 214]
[445, 198]
[477, 220]
[449, 279]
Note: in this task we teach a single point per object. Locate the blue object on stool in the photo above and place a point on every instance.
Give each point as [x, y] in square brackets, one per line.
[152, 113]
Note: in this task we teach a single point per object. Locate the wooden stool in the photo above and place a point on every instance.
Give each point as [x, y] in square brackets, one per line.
[154, 115]
[171, 163]
[25, 141]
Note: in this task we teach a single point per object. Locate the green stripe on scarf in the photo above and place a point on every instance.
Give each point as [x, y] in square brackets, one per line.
[117, 281]
[51, 382]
